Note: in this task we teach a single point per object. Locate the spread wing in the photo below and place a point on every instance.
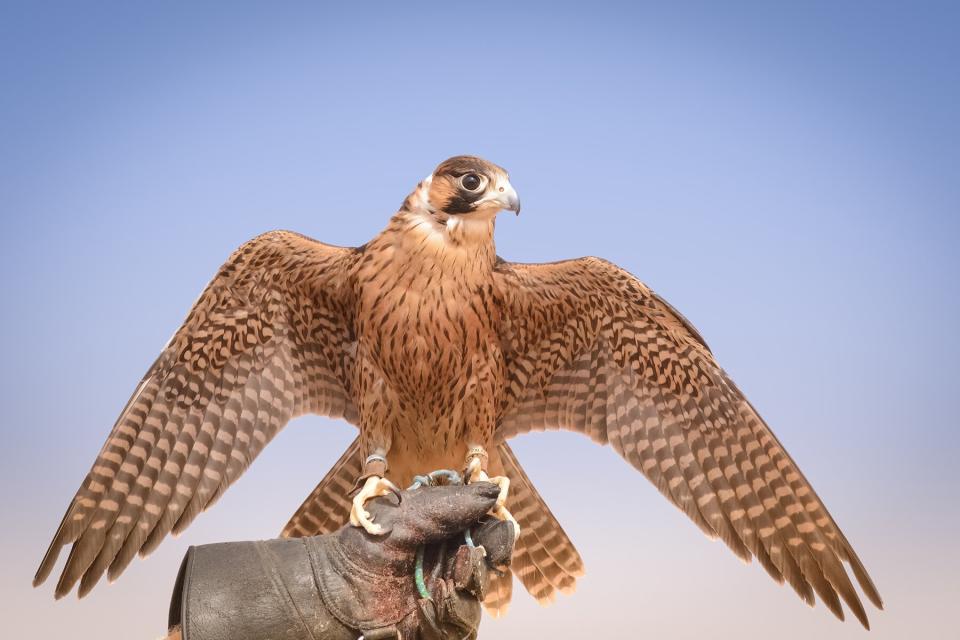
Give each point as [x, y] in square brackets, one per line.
[590, 348]
[268, 339]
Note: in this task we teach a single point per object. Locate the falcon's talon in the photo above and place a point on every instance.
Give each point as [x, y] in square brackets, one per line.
[474, 467]
[373, 487]
[394, 489]
[475, 473]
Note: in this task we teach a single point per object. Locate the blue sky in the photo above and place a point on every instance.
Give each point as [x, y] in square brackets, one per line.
[786, 175]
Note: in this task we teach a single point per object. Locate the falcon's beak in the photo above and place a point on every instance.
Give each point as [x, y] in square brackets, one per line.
[506, 196]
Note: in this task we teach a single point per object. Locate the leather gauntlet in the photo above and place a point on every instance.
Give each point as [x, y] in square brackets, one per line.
[348, 583]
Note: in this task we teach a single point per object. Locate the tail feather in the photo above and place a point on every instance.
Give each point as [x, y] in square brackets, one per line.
[544, 559]
[499, 593]
[538, 517]
[327, 507]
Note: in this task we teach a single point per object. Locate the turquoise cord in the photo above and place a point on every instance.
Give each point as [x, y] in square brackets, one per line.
[431, 480]
[418, 574]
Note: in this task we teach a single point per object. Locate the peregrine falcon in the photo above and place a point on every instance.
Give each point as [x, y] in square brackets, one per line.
[440, 352]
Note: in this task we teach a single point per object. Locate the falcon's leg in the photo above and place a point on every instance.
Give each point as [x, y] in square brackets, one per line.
[475, 472]
[374, 486]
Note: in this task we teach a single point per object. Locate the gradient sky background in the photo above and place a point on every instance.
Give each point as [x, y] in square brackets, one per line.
[786, 177]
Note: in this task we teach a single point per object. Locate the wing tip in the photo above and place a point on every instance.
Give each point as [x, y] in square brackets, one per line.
[43, 572]
[120, 562]
[863, 578]
[46, 568]
[64, 587]
[87, 583]
[856, 606]
[49, 559]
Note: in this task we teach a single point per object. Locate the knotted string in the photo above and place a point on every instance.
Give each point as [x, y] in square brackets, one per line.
[440, 477]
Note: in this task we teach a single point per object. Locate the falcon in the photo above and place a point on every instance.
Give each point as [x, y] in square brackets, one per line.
[440, 352]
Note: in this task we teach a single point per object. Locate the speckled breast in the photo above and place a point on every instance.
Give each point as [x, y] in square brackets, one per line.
[428, 338]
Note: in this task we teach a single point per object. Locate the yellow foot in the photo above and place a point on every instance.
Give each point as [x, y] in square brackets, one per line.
[475, 473]
[373, 487]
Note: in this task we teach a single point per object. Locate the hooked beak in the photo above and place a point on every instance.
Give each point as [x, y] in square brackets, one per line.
[507, 197]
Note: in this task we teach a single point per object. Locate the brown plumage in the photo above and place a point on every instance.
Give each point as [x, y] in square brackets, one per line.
[433, 345]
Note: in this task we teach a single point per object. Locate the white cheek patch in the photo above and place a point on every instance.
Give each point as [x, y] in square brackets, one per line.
[423, 193]
[453, 232]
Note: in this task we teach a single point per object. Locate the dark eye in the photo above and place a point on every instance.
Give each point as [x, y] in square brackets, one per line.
[471, 182]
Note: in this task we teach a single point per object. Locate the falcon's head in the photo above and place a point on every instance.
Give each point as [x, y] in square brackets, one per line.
[470, 187]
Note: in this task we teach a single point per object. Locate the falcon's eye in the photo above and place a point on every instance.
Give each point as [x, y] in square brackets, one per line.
[471, 182]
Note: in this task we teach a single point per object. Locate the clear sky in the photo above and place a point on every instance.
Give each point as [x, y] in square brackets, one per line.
[788, 177]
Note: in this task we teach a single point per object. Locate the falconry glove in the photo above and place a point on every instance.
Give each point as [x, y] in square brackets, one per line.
[424, 579]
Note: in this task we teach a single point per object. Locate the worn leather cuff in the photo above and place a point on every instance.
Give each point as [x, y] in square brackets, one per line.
[374, 465]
